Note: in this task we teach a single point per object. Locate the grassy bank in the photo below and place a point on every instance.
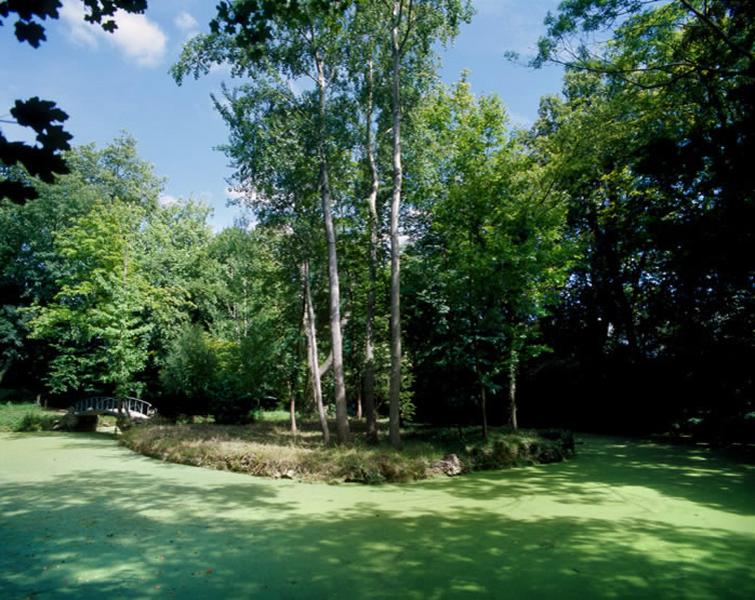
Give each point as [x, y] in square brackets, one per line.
[268, 448]
[27, 416]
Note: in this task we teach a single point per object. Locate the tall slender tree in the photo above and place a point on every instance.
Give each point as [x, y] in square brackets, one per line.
[414, 26]
[301, 43]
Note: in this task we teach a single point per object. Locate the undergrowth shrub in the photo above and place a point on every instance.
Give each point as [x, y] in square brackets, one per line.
[37, 422]
[521, 449]
[26, 416]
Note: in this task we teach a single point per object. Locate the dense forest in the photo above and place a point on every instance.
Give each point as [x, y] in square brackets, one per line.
[409, 253]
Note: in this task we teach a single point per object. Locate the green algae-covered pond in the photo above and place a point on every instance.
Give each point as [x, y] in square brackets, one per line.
[81, 517]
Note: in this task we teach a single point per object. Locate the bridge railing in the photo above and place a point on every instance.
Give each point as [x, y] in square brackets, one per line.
[108, 404]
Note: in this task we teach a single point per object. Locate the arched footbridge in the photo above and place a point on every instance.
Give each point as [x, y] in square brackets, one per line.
[134, 408]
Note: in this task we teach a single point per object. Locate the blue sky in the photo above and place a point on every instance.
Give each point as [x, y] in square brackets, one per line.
[114, 83]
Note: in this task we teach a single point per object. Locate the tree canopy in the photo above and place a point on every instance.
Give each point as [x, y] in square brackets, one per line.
[410, 254]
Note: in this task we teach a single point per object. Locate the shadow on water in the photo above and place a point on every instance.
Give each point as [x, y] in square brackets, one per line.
[139, 528]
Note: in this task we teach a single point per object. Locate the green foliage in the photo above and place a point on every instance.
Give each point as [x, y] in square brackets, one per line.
[257, 313]
[38, 422]
[407, 407]
[95, 321]
[174, 249]
[508, 450]
[31, 265]
[64, 255]
[491, 254]
[107, 280]
[191, 370]
[208, 375]
[11, 337]
[26, 417]
[115, 172]
[606, 251]
[649, 145]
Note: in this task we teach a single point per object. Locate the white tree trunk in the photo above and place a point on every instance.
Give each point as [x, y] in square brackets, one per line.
[369, 351]
[314, 368]
[513, 369]
[292, 408]
[342, 420]
[395, 381]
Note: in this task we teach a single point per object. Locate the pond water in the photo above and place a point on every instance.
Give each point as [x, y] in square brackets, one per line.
[81, 517]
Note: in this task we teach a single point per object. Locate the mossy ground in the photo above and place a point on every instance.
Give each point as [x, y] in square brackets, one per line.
[268, 448]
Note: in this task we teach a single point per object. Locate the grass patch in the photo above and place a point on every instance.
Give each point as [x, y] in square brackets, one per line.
[107, 421]
[268, 448]
[27, 416]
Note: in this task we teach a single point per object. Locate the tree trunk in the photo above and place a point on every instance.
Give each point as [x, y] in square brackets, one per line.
[342, 419]
[484, 408]
[369, 351]
[5, 368]
[327, 364]
[314, 368]
[513, 368]
[292, 411]
[395, 381]
[292, 407]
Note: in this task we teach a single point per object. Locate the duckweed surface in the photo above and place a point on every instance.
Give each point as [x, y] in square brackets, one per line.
[81, 517]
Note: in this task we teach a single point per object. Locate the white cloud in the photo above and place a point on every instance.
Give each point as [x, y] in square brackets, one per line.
[137, 38]
[234, 194]
[79, 30]
[167, 200]
[185, 22]
[241, 195]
